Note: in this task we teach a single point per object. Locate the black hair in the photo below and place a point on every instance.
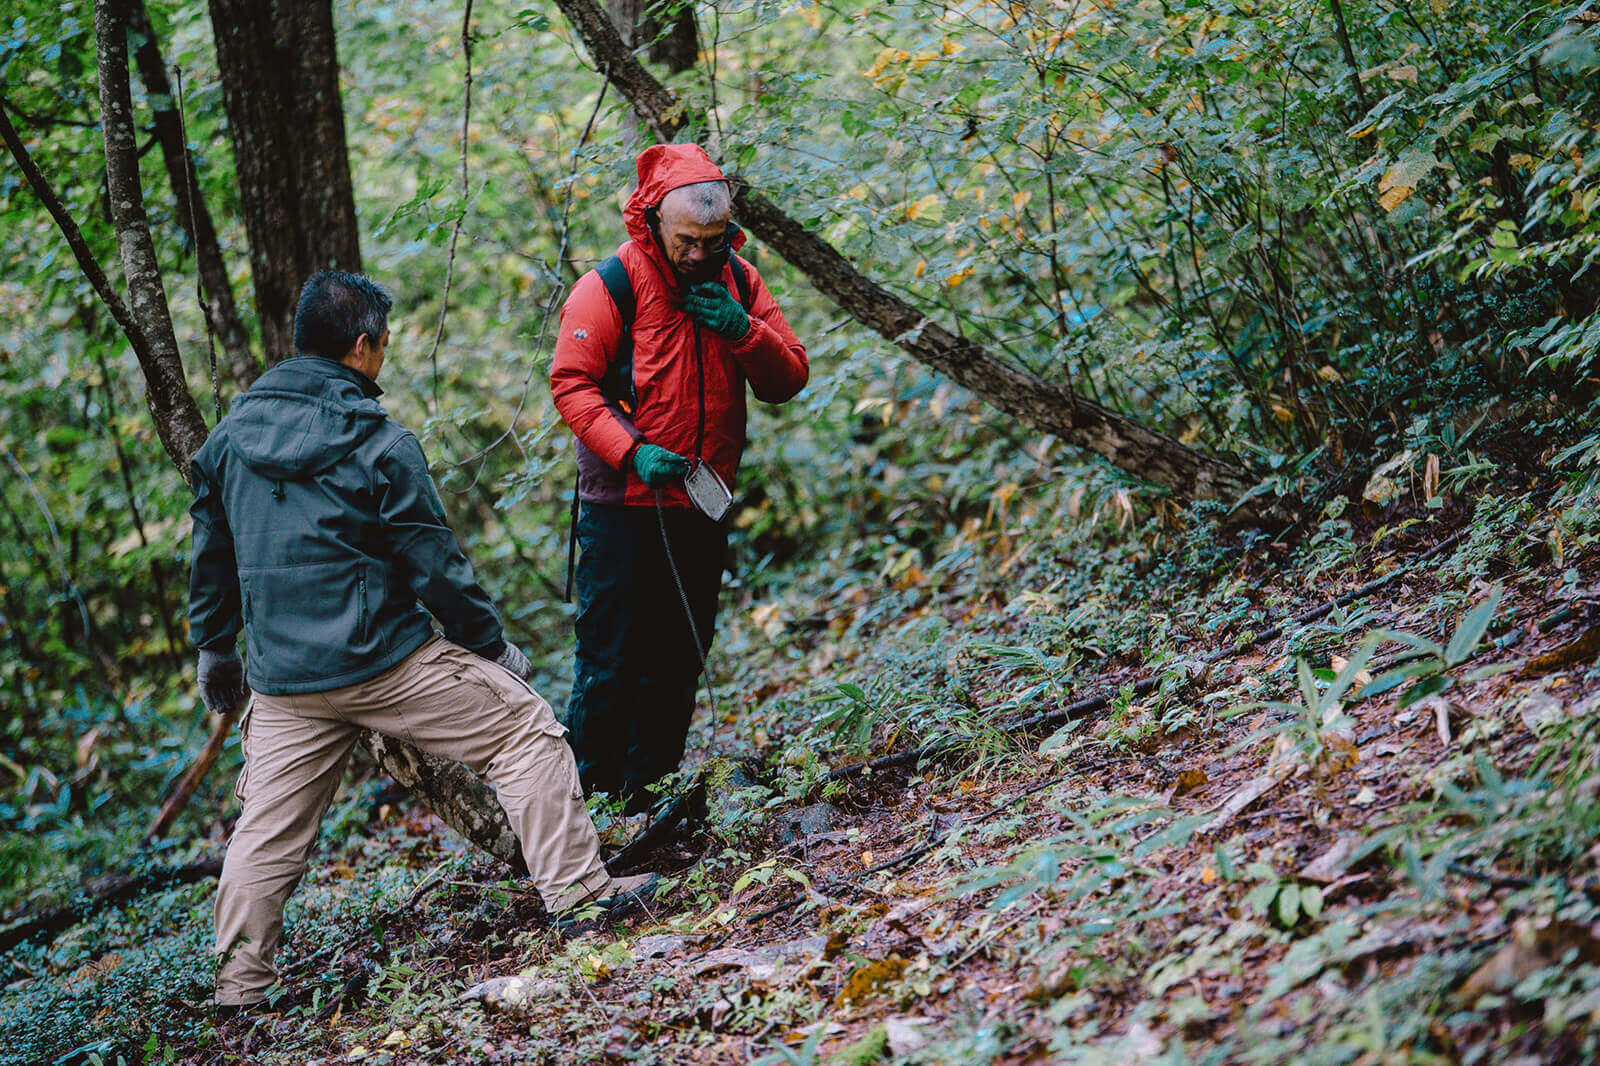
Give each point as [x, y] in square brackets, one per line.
[336, 307]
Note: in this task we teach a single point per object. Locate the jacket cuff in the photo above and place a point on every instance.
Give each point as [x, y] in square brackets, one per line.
[493, 651]
[210, 660]
[627, 457]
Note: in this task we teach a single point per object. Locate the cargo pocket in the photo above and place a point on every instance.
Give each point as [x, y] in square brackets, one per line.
[240, 786]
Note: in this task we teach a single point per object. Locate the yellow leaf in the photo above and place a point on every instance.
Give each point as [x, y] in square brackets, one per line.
[1282, 413]
[885, 57]
[1329, 374]
[1021, 200]
[921, 268]
[952, 280]
[923, 206]
[951, 48]
[1394, 196]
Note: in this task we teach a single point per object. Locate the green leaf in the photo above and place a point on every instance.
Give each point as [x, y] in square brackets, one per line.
[1289, 905]
[1422, 690]
[1472, 628]
[1311, 902]
[1391, 679]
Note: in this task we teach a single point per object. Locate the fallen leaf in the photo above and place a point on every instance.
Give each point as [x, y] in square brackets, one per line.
[904, 1037]
[1242, 797]
[870, 978]
[652, 947]
[1189, 781]
[1532, 948]
[1580, 651]
[514, 994]
[1327, 867]
[759, 964]
[1443, 711]
[1380, 489]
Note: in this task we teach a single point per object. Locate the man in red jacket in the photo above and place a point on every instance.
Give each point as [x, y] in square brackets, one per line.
[649, 399]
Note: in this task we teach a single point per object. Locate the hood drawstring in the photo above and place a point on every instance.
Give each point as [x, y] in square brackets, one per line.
[277, 489]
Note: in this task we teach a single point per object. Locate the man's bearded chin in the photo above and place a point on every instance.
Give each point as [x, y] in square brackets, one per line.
[703, 271]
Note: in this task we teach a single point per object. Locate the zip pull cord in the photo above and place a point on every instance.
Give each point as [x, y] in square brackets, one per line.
[683, 597]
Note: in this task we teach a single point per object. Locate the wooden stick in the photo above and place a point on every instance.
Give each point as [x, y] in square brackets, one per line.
[192, 777]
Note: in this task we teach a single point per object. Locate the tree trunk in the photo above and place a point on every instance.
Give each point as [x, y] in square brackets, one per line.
[177, 418]
[676, 47]
[1127, 444]
[193, 214]
[657, 106]
[280, 84]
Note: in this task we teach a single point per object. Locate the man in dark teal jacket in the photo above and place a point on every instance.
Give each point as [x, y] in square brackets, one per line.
[318, 531]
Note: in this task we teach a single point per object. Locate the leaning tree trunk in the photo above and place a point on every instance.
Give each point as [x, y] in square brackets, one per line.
[193, 215]
[1126, 443]
[280, 84]
[674, 45]
[462, 799]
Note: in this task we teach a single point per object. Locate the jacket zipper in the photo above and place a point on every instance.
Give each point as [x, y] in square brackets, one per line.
[700, 371]
[361, 597]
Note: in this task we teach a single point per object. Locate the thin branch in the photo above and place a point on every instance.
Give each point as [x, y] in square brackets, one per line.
[69, 229]
[461, 212]
[555, 294]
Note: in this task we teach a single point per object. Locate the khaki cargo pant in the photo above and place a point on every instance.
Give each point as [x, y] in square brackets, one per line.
[445, 700]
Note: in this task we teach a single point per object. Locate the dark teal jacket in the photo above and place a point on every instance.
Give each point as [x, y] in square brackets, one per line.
[317, 526]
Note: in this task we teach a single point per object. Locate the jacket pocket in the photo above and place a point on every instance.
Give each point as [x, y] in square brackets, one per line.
[306, 622]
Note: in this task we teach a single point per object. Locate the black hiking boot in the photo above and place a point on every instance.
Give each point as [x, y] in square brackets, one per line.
[629, 896]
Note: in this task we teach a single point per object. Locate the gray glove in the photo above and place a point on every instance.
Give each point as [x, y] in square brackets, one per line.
[222, 683]
[513, 659]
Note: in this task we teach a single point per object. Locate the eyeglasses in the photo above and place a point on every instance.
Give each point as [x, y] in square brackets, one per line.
[709, 245]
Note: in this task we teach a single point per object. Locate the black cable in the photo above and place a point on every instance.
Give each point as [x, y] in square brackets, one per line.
[683, 598]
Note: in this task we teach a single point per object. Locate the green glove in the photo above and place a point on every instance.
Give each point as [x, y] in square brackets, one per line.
[658, 467]
[714, 307]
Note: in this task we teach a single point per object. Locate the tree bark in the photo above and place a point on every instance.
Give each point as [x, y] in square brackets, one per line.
[657, 106]
[457, 795]
[178, 420]
[280, 85]
[193, 215]
[1128, 444]
[675, 46]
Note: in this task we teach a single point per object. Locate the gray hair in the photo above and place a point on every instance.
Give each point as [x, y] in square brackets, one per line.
[706, 203]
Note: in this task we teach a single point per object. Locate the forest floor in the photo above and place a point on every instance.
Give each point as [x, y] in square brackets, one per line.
[1256, 862]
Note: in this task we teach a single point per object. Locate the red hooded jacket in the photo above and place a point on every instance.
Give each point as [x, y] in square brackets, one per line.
[688, 380]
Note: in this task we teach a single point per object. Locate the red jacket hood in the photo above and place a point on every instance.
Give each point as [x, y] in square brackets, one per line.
[662, 168]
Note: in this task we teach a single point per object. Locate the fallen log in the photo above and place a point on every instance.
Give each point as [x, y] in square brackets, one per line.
[105, 892]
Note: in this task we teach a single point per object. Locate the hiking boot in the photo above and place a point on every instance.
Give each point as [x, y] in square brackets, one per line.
[225, 1012]
[628, 896]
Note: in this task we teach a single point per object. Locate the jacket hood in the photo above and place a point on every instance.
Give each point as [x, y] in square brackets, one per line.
[302, 416]
[662, 168]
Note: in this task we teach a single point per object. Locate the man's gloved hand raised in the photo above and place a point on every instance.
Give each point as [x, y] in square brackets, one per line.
[513, 659]
[658, 467]
[714, 307]
[222, 684]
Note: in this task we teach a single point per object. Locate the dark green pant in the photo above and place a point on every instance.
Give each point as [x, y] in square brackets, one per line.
[637, 669]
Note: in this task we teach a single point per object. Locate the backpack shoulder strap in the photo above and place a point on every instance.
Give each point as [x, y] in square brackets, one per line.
[617, 384]
[741, 280]
[620, 288]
